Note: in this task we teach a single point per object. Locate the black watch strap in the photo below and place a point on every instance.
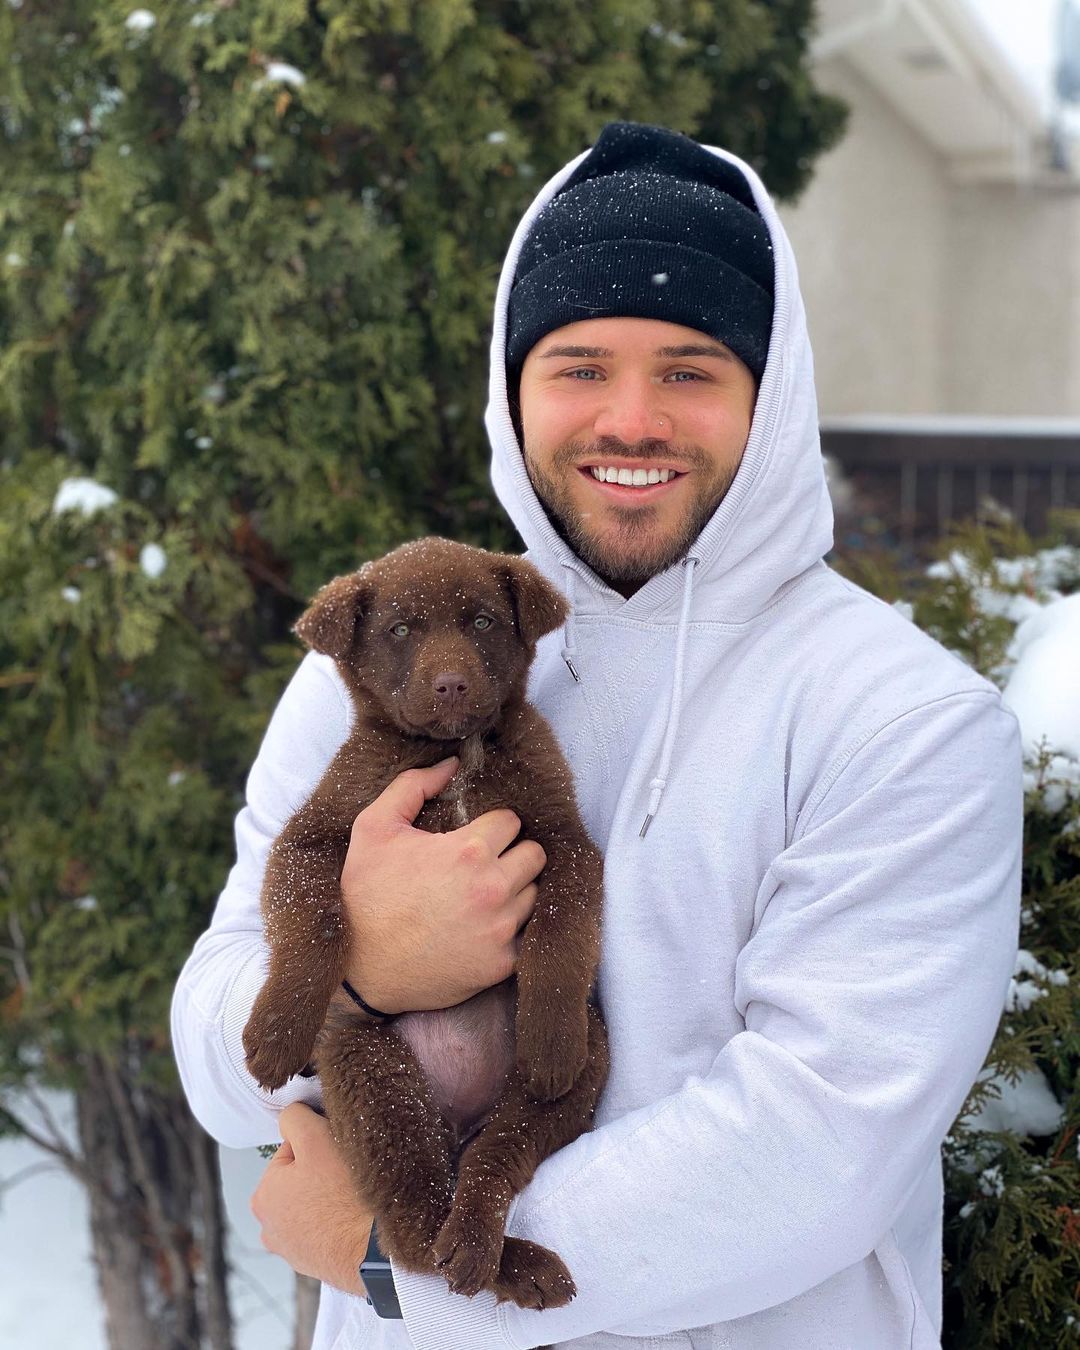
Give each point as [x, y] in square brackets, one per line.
[379, 1279]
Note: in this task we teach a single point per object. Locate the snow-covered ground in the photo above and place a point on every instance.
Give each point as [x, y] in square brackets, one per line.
[48, 1287]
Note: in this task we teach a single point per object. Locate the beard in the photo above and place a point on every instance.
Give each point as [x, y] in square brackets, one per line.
[636, 551]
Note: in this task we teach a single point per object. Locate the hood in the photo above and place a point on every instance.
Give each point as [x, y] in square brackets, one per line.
[776, 519]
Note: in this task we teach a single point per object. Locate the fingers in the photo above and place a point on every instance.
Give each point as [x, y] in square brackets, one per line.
[400, 802]
[522, 864]
[298, 1125]
[522, 906]
[496, 828]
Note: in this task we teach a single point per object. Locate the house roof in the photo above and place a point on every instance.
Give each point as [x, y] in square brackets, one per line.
[940, 69]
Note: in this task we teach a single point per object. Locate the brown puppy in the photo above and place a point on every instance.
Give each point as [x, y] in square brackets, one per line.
[443, 1116]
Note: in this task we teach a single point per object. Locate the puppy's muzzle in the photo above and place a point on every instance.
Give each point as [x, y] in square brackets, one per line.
[450, 687]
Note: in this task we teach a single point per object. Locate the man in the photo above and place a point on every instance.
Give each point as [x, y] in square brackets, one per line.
[810, 815]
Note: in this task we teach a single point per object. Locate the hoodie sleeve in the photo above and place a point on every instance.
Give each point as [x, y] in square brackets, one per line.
[227, 967]
[871, 988]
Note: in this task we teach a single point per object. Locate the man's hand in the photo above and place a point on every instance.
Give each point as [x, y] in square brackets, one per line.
[433, 918]
[307, 1204]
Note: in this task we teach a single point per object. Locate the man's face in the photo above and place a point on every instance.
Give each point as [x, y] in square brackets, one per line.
[637, 397]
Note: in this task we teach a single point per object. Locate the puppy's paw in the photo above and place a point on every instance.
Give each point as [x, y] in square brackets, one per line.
[532, 1277]
[551, 1053]
[276, 1048]
[467, 1252]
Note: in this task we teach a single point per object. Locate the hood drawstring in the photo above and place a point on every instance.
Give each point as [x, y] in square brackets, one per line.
[659, 783]
[569, 647]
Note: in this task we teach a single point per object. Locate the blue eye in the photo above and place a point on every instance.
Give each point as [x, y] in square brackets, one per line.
[400, 630]
[483, 621]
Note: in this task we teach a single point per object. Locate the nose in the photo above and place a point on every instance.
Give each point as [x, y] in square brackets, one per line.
[632, 413]
[450, 684]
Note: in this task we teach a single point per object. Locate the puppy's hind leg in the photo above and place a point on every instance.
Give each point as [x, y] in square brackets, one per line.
[472, 1249]
[389, 1131]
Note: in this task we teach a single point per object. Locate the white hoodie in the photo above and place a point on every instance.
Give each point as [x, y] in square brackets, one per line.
[804, 960]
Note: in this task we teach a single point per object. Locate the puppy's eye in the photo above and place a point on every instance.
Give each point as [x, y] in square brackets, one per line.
[483, 621]
[400, 630]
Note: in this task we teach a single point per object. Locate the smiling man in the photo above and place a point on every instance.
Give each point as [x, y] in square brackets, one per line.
[635, 429]
[810, 816]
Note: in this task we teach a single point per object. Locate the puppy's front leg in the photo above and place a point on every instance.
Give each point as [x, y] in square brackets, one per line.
[306, 930]
[556, 968]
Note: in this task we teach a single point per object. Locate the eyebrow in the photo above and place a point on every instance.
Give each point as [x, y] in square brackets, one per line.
[673, 353]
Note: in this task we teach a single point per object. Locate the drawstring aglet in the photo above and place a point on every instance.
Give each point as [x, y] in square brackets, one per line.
[658, 785]
[571, 668]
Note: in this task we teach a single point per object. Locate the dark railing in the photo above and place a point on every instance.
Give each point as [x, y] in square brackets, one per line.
[914, 476]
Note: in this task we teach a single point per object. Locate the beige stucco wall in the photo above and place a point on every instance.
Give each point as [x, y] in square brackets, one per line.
[928, 296]
[1012, 326]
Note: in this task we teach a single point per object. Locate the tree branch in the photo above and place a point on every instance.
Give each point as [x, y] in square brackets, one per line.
[41, 1107]
[18, 951]
[71, 1161]
[9, 1183]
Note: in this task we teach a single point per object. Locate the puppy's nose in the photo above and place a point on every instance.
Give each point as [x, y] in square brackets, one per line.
[449, 684]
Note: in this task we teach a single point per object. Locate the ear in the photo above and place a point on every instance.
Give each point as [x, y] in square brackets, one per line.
[328, 625]
[538, 605]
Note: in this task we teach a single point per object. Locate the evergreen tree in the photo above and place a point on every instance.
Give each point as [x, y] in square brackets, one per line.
[248, 256]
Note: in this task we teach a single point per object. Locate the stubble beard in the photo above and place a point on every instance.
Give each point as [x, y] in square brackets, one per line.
[635, 557]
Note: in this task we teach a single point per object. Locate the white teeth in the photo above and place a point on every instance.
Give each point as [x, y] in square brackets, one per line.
[632, 477]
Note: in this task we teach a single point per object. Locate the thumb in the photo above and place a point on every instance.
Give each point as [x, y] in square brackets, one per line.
[399, 803]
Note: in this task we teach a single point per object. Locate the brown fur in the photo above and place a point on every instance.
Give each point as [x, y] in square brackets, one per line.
[443, 1116]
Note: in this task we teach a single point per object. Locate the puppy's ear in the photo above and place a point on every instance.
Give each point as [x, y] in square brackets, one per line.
[328, 625]
[538, 605]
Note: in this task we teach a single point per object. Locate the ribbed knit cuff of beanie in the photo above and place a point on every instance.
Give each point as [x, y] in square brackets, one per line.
[650, 225]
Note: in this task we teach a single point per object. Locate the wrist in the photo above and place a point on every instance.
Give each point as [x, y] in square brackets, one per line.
[370, 1012]
[350, 1252]
[374, 988]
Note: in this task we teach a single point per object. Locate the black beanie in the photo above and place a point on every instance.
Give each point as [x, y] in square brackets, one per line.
[650, 225]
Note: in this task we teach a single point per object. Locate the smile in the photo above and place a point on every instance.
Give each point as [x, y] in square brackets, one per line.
[625, 482]
[631, 477]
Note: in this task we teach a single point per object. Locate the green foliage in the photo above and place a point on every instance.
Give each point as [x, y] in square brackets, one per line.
[1012, 1217]
[1012, 1211]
